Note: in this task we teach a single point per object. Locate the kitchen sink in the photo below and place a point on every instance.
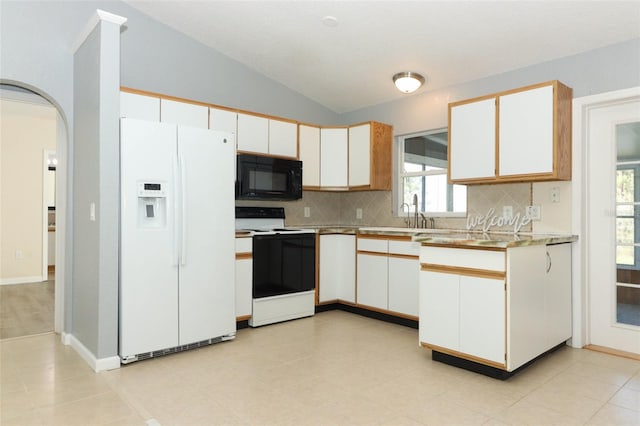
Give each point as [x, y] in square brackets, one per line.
[407, 230]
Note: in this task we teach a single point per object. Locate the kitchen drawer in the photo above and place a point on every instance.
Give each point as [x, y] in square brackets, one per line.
[488, 260]
[244, 245]
[410, 248]
[373, 244]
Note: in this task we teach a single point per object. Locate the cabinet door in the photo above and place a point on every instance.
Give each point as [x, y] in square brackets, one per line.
[360, 155]
[482, 318]
[372, 280]
[244, 268]
[310, 155]
[404, 277]
[337, 268]
[184, 114]
[283, 138]
[333, 157]
[223, 120]
[347, 253]
[558, 294]
[526, 132]
[439, 310]
[141, 107]
[253, 134]
[472, 140]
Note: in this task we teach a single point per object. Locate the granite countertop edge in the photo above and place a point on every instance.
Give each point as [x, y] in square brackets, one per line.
[494, 240]
[452, 237]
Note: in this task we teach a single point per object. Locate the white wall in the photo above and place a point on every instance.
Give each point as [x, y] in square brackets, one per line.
[27, 130]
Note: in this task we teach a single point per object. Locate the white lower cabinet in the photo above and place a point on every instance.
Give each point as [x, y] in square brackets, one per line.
[388, 275]
[244, 277]
[501, 316]
[337, 271]
[404, 276]
[372, 280]
[482, 318]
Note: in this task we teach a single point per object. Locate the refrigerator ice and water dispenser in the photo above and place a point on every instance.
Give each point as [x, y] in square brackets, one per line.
[152, 204]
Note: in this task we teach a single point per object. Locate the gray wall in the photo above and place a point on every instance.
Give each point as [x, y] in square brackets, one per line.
[597, 71]
[96, 180]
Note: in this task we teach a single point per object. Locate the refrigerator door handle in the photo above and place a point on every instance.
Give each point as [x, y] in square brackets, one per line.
[176, 213]
[183, 213]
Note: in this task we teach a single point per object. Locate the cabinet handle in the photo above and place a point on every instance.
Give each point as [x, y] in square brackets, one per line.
[548, 262]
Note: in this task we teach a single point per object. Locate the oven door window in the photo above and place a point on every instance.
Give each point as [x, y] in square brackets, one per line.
[283, 264]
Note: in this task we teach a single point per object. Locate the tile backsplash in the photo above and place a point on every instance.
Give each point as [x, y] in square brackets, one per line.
[339, 208]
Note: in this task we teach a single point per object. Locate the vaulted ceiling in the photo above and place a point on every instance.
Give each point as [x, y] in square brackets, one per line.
[343, 54]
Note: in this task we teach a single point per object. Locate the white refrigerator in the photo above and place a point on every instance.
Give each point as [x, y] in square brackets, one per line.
[177, 237]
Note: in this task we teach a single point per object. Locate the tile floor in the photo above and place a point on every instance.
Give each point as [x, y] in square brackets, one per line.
[335, 368]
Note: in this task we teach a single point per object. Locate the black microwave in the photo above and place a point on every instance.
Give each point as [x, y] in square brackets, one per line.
[267, 178]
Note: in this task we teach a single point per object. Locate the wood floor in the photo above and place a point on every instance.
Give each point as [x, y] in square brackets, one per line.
[26, 309]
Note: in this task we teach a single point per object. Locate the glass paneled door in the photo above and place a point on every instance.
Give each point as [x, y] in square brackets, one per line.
[613, 224]
[627, 292]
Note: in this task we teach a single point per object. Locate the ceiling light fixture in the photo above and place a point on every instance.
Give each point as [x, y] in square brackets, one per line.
[408, 82]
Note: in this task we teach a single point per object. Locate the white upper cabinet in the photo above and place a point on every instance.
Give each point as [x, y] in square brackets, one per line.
[223, 120]
[334, 157]
[527, 131]
[141, 107]
[283, 138]
[310, 155]
[267, 136]
[253, 133]
[184, 114]
[360, 155]
[472, 140]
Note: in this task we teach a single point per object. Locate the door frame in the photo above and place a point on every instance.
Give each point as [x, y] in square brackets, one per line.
[63, 206]
[45, 213]
[580, 214]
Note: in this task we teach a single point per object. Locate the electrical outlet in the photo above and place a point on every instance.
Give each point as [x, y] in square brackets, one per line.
[534, 212]
[307, 212]
[507, 212]
[358, 213]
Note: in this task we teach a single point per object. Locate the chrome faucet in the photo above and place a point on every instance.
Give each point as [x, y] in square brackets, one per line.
[415, 205]
[407, 221]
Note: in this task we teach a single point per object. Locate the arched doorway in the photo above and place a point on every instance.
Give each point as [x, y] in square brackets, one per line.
[20, 92]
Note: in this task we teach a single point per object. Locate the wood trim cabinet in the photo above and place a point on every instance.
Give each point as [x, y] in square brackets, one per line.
[521, 135]
[309, 154]
[354, 158]
[498, 308]
[337, 270]
[388, 275]
[244, 278]
[334, 155]
[370, 156]
[267, 136]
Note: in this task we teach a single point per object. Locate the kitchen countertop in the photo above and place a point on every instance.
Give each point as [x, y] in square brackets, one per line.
[449, 237]
[466, 238]
[494, 239]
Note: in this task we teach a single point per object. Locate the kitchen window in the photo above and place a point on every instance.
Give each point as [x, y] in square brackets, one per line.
[422, 171]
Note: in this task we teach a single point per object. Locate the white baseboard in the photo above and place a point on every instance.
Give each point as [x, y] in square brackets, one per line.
[97, 364]
[22, 280]
[65, 338]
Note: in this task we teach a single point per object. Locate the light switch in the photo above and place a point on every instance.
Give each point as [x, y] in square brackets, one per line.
[92, 212]
[555, 194]
[307, 212]
[358, 213]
